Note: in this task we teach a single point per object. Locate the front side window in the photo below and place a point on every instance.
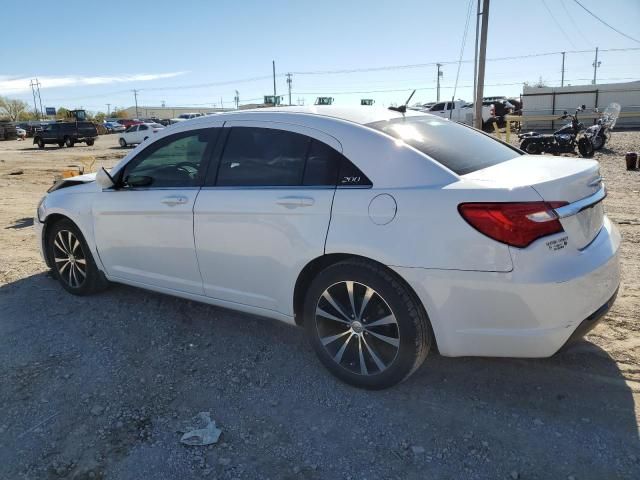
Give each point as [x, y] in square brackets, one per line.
[460, 148]
[262, 157]
[174, 161]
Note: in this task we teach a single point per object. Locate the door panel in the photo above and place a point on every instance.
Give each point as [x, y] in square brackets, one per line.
[145, 234]
[253, 241]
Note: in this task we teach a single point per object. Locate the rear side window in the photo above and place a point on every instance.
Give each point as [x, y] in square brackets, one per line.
[322, 165]
[262, 157]
[458, 147]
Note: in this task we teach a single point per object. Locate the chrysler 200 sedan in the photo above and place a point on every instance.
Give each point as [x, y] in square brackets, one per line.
[384, 234]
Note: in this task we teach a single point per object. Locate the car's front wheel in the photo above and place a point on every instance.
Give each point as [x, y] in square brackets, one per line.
[73, 264]
[122, 142]
[365, 325]
[40, 143]
[68, 141]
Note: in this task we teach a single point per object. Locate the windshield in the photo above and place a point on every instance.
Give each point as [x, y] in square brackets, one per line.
[460, 148]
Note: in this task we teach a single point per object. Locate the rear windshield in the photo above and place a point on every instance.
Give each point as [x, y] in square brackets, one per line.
[458, 147]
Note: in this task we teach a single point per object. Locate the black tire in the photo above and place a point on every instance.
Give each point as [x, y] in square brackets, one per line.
[598, 141]
[90, 142]
[67, 250]
[385, 363]
[68, 141]
[532, 148]
[145, 139]
[122, 142]
[40, 143]
[585, 147]
[60, 144]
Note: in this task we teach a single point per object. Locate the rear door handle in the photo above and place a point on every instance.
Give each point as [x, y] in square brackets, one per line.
[295, 201]
[174, 200]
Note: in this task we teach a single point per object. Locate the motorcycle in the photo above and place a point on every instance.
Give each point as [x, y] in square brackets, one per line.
[563, 140]
[599, 133]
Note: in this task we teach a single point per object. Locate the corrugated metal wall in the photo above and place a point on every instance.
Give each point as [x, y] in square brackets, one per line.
[555, 100]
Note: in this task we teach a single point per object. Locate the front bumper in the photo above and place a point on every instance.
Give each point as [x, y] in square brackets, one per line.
[39, 228]
[523, 313]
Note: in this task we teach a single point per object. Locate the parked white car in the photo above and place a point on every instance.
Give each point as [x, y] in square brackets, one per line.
[21, 133]
[136, 134]
[461, 111]
[383, 234]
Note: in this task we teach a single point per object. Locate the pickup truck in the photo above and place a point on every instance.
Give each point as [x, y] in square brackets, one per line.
[461, 111]
[66, 133]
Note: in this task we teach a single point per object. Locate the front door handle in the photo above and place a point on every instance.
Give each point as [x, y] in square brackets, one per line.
[174, 200]
[293, 201]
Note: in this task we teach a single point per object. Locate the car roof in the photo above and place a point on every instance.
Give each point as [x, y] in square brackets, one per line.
[360, 114]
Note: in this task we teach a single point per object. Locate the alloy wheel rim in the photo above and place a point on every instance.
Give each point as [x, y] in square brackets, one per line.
[69, 258]
[357, 328]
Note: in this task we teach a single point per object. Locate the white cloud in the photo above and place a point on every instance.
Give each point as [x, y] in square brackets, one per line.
[9, 85]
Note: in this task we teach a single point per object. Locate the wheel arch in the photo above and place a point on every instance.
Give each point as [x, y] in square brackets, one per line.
[55, 217]
[318, 264]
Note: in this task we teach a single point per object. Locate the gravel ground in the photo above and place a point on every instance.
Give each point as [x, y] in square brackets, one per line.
[99, 387]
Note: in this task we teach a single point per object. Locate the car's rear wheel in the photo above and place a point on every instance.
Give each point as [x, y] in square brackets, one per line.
[90, 142]
[68, 141]
[122, 142]
[365, 325]
[40, 143]
[73, 264]
[60, 144]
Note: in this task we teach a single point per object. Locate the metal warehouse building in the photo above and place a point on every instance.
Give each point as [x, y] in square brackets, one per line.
[167, 112]
[555, 100]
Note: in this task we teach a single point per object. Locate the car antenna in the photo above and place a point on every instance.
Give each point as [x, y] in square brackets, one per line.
[403, 108]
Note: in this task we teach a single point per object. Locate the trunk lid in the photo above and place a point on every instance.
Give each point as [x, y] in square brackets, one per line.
[575, 181]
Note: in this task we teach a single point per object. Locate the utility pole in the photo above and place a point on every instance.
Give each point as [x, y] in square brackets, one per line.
[562, 81]
[135, 96]
[237, 100]
[108, 110]
[33, 92]
[595, 64]
[475, 52]
[289, 84]
[221, 104]
[438, 82]
[275, 101]
[482, 56]
[39, 97]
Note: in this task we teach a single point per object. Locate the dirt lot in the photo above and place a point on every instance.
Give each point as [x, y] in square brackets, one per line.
[99, 387]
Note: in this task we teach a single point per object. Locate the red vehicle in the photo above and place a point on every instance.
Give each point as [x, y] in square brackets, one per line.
[127, 123]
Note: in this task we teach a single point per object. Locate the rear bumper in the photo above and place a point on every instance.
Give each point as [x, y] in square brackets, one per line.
[592, 320]
[528, 312]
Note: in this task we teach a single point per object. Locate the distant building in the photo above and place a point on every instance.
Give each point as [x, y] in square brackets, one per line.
[555, 100]
[168, 112]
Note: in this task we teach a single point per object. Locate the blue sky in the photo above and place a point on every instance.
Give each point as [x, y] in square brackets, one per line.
[88, 54]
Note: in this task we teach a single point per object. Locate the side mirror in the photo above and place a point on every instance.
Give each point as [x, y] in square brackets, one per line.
[138, 181]
[103, 179]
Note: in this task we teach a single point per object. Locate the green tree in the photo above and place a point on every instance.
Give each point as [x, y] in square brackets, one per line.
[62, 113]
[13, 108]
[99, 117]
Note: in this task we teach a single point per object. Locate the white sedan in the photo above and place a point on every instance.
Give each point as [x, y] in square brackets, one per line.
[136, 134]
[383, 233]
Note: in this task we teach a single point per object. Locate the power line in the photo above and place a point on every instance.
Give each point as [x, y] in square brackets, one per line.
[464, 42]
[605, 23]
[544, 2]
[575, 25]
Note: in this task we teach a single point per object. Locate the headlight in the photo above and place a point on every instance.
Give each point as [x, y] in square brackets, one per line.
[41, 209]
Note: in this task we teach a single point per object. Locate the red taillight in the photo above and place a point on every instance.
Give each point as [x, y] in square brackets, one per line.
[516, 224]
